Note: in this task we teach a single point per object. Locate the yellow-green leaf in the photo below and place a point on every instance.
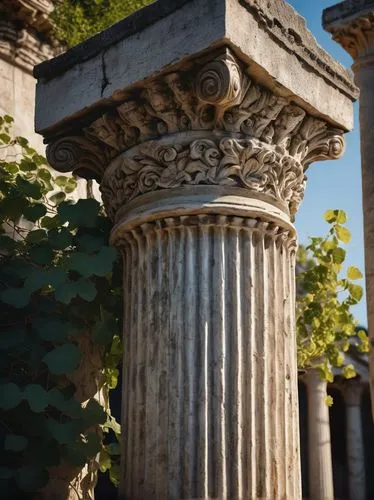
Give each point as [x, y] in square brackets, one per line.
[343, 234]
[329, 216]
[354, 273]
[329, 401]
[349, 371]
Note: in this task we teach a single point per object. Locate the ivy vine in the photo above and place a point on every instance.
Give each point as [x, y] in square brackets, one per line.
[326, 327]
[60, 325]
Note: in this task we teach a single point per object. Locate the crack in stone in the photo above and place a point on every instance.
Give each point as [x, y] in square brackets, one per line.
[105, 81]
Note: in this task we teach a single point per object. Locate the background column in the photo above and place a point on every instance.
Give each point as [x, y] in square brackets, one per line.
[321, 483]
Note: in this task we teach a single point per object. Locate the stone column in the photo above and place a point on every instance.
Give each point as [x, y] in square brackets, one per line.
[202, 168]
[355, 446]
[321, 482]
[352, 26]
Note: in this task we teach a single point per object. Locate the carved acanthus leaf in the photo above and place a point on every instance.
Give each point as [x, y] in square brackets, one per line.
[245, 163]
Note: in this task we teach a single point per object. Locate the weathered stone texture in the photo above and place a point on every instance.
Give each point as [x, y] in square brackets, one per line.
[200, 143]
[187, 28]
[24, 42]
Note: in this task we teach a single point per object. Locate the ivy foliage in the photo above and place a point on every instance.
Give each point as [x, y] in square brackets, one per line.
[57, 287]
[326, 327]
[76, 20]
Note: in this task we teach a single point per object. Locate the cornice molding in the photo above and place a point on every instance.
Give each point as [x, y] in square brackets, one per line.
[281, 21]
[25, 33]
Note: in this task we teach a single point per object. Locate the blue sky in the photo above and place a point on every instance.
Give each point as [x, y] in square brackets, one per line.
[333, 184]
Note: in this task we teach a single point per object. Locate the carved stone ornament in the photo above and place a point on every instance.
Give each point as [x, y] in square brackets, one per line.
[357, 37]
[247, 137]
[26, 32]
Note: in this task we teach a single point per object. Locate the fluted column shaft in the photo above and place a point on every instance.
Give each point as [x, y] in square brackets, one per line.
[355, 444]
[210, 406]
[321, 485]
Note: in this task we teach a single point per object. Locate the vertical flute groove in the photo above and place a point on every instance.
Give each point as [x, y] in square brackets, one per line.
[209, 357]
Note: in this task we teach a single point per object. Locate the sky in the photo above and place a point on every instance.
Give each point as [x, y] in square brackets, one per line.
[334, 184]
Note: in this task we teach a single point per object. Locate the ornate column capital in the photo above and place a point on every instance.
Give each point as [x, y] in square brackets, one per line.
[351, 24]
[208, 123]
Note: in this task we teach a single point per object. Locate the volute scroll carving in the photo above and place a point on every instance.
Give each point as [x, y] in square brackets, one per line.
[78, 155]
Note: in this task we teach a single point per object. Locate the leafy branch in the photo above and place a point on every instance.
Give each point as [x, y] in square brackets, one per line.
[325, 323]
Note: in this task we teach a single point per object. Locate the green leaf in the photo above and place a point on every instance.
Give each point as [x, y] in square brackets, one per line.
[55, 330]
[329, 245]
[71, 185]
[343, 234]
[105, 461]
[36, 396]
[6, 243]
[104, 261]
[354, 273]
[36, 236]
[15, 443]
[12, 338]
[356, 292]
[11, 168]
[83, 213]
[93, 413]
[338, 255]
[16, 297]
[60, 238]
[349, 372]
[13, 208]
[51, 222]
[89, 243]
[86, 290]
[111, 377]
[114, 449]
[31, 478]
[93, 445]
[329, 401]
[63, 432]
[58, 198]
[82, 263]
[9, 119]
[66, 292]
[10, 396]
[341, 216]
[27, 165]
[34, 212]
[330, 216]
[39, 278]
[61, 181]
[105, 329]
[32, 189]
[42, 254]
[63, 359]
[68, 406]
[114, 475]
[44, 174]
